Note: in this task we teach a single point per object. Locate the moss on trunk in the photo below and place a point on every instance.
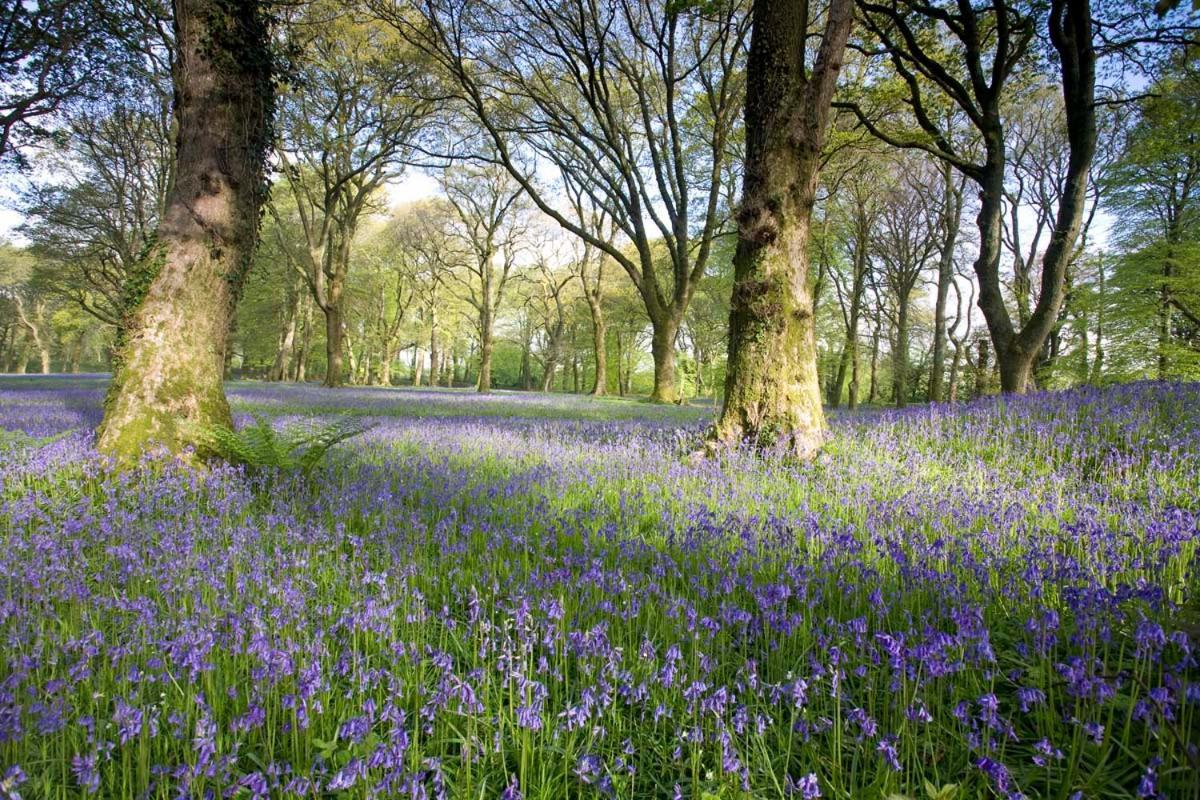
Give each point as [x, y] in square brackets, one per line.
[169, 376]
[772, 390]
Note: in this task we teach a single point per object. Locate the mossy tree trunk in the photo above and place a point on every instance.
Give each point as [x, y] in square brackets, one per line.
[772, 390]
[170, 370]
[484, 384]
[334, 342]
[599, 335]
[664, 329]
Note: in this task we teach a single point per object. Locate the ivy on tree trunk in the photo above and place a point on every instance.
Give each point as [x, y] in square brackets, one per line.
[169, 376]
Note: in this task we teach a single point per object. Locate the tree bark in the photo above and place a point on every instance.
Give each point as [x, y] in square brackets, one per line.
[1070, 24]
[662, 348]
[951, 219]
[599, 334]
[299, 368]
[849, 359]
[484, 384]
[900, 356]
[982, 369]
[287, 341]
[772, 390]
[435, 353]
[334, 337]
[170, 375]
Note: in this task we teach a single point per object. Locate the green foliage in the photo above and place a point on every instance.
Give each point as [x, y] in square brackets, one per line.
[948, 791]
[260, 447]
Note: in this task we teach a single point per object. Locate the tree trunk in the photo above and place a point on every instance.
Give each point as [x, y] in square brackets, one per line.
[599, 334]
[772, 390]
[22, 356]
[385, 365]
[334, 338]
[1098, 361]
[955, 360]
[900, 357]
[849, 359]
[526, 377]
[418, 361]
[982, 369]
[75, 355]
[662, 348]
[435, 355]
[299, 367]
[852, 397]
[287, 341]
[171, 366]
[1164, 323]
[873, 389]
[484, 384]
[1070, 28]
[620, 364]
[951, 219]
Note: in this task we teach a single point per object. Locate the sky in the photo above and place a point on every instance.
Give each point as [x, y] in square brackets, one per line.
[413, 186]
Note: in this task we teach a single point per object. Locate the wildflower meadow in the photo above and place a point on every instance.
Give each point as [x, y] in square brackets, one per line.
[546, 596]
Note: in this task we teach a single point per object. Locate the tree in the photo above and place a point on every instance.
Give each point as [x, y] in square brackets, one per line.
[347, 125]
[491, 228]
[52, 53]
[903, 244]
[92, 223]
[549, 303]
[171, 367]
[589, 269]
[633, 103]
[419, 250]
[1156, 190]
[950, 210]
[858, 201]
[28, 307]
[991, 42]
[772, 392]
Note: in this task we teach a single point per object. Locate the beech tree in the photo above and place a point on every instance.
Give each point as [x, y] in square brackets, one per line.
[491, 228]
[92, 221]
[858, 203]
[423, 252]
[990, 43]
[950, 210]
[1156, 189]
[589, 269]
[772, 391]
[51, 55]
[636, 103]
[347, 127]
[171, 368]
[903, 244]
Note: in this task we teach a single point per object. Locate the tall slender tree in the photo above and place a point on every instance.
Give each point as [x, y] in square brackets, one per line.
[347, 126]
[491, 228]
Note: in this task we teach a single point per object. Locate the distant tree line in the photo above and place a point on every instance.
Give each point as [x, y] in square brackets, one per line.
[777, 205]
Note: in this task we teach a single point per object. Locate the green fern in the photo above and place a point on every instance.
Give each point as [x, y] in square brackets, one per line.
[260, 447]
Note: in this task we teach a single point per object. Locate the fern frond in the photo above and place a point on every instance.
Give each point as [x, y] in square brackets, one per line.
[260, 447]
